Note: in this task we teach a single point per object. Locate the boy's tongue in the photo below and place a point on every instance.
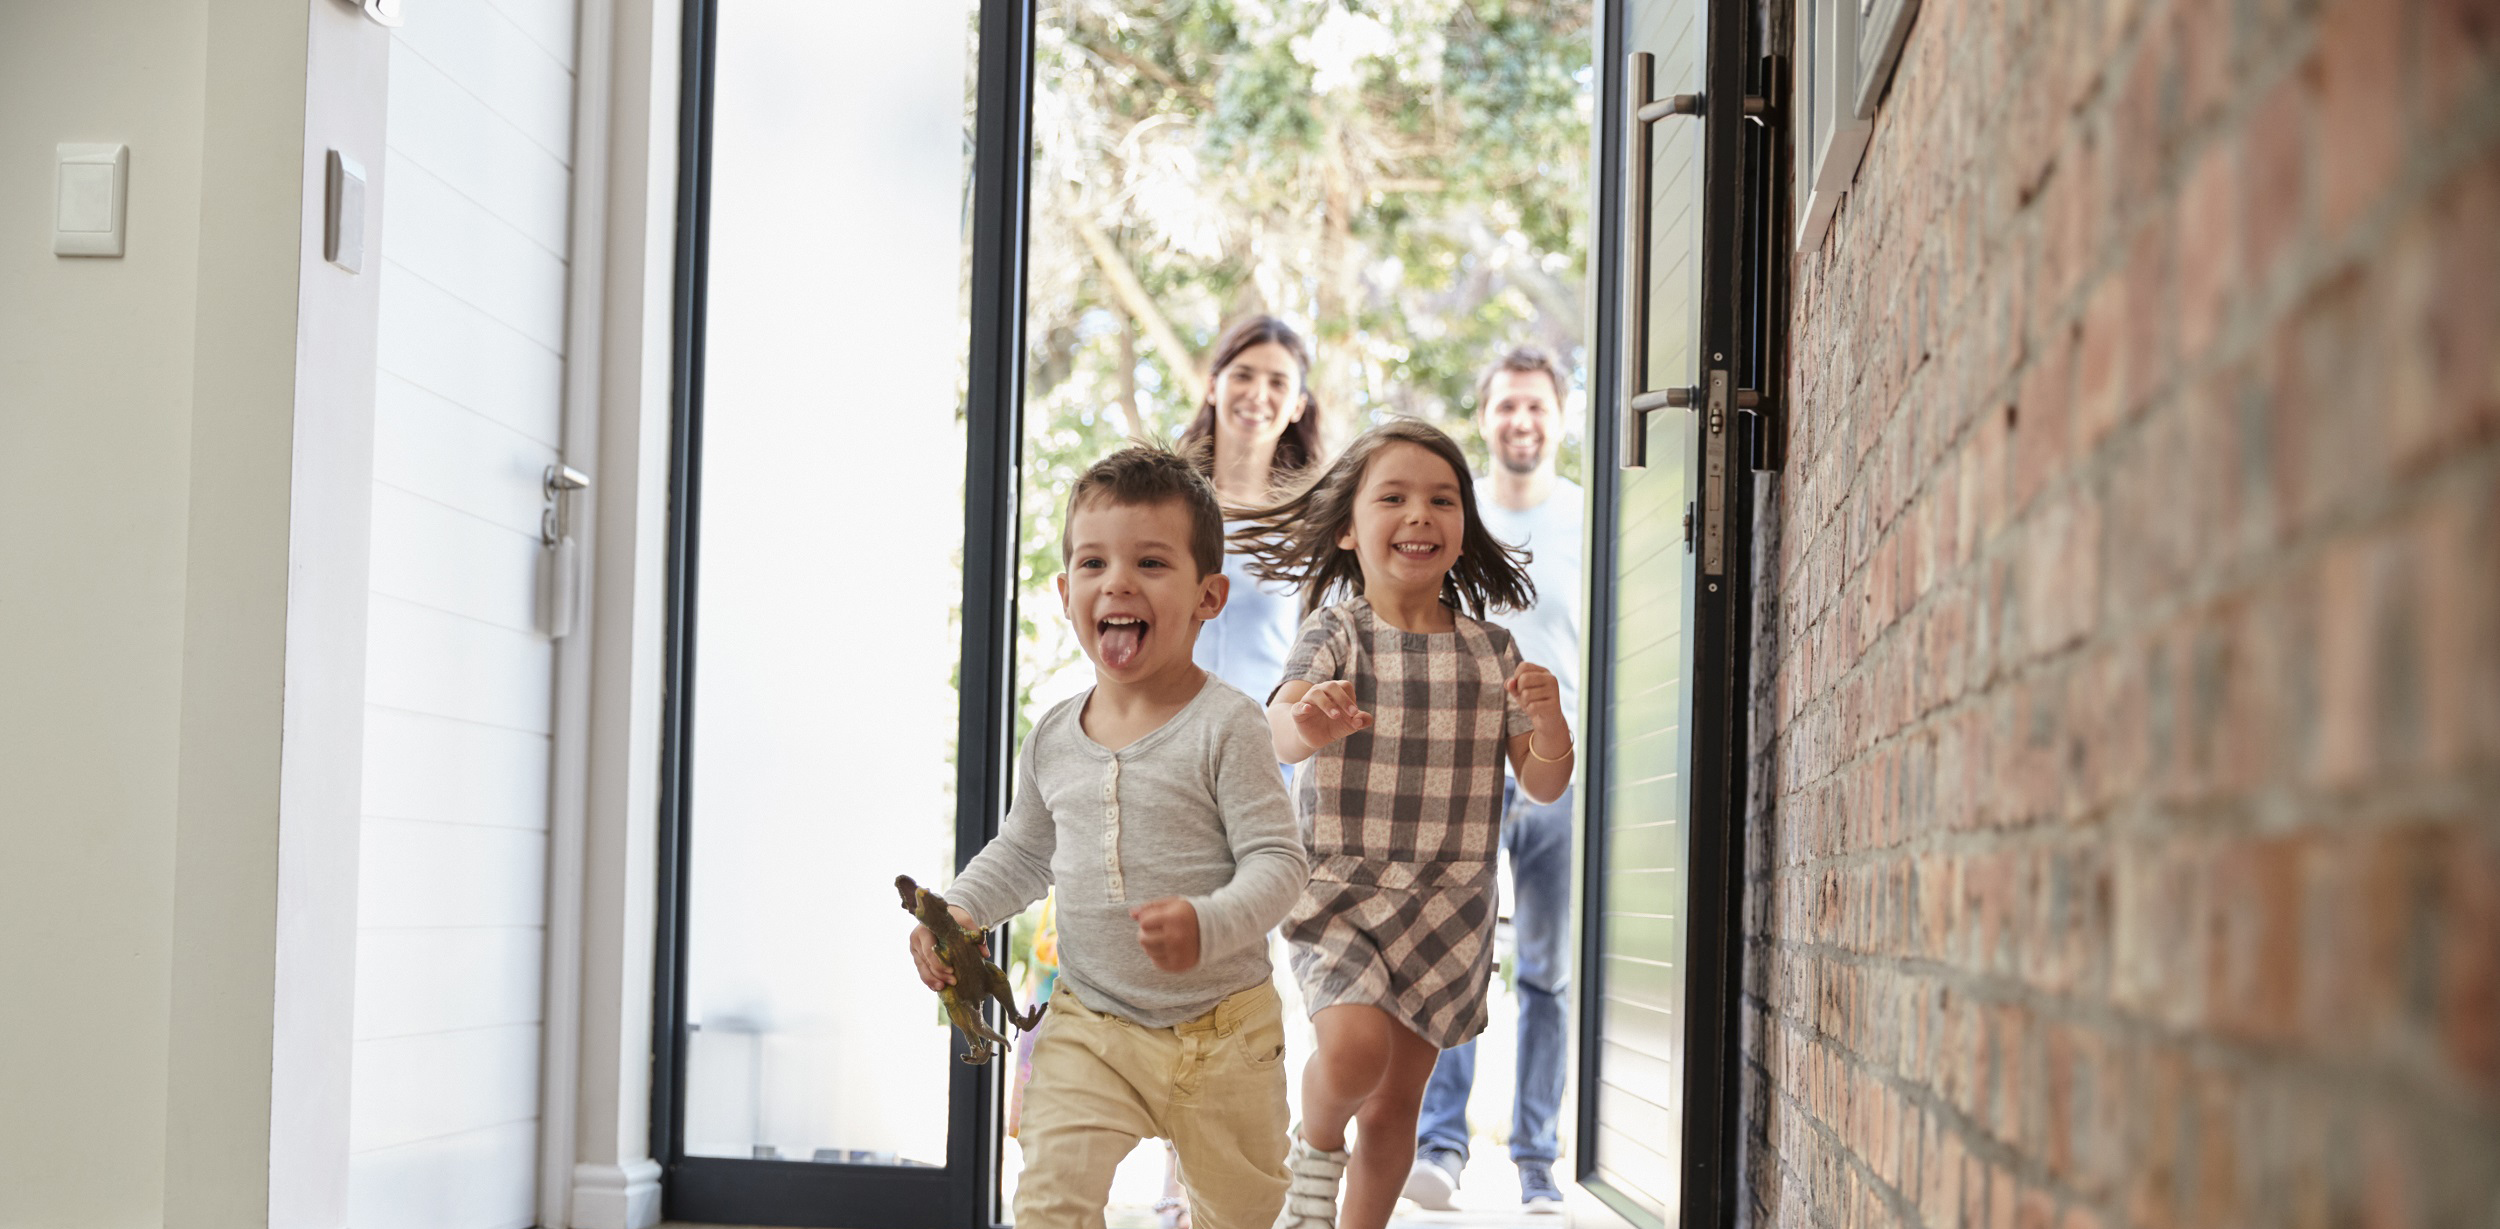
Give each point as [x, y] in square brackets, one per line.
[1121, 642]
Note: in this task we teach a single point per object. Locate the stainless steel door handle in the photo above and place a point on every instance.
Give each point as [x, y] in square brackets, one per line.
[1640, 398]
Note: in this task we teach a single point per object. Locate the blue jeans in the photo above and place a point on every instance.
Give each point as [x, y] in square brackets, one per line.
[1538, 838]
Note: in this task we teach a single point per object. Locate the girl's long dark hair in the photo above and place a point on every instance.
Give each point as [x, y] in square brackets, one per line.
[1298, 447]
[1294, 542]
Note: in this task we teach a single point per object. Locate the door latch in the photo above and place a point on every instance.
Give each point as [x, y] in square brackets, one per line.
[559, 559]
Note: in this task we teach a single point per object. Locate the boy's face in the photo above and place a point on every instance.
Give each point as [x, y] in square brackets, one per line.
[1132, 589]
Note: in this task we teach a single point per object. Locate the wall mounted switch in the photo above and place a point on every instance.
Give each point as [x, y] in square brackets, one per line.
[91, 201]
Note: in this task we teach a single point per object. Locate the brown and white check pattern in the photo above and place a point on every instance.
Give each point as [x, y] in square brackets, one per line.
[1403, 820]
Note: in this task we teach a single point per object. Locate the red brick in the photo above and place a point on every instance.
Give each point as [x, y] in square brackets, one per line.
[2254, 979]
[2200, 29]
[2061, 589]
[2463, 544]
[2325, 456]
[2276, 175]
[2217, 1201]
[2361, 139]
[2038, 423]
[2460, 53]
[2034, 1209]
[2389, 1183]
[1940, 1189]
[2342, 750]
[2101, 359]
[2151, 325]
[2160, 932]
[2469, 958]
[2068, 227]
[2207, 223]
[2442, 309]
[2138, 147]
[2156, 1159]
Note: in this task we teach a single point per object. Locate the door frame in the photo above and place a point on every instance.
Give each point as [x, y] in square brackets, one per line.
[964, 1193]
[1733, 315]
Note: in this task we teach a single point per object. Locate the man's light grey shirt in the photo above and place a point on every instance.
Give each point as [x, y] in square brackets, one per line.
[1548, 633]
[1195, 809]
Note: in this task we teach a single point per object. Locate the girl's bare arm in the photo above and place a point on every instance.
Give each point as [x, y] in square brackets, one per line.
[1542, 780]
[1541, 759]
[1305, 717]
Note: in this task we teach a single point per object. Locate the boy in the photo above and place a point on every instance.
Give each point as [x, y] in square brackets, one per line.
[1154, 804]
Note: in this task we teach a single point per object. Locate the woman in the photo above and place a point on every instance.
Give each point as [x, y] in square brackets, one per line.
[1256, 429]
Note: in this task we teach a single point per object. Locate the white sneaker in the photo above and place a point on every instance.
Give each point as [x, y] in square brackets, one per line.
[1433, 1183]
[1311, 1200]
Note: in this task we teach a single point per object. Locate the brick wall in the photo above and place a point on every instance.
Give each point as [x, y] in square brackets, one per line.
[2126, 798]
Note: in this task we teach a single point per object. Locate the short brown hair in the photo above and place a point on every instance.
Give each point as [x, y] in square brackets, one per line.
[1295, 542]
[1524, 359]
[1147, 473]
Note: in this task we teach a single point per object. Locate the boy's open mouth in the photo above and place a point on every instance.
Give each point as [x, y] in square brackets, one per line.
[1122, 638]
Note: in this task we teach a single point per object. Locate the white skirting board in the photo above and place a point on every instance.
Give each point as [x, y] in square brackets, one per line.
[616, 1196]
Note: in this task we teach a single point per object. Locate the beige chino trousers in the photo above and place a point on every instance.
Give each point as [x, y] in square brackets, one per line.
[1214, 1086]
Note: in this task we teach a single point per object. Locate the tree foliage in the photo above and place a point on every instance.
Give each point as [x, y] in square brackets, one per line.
[1405, 182]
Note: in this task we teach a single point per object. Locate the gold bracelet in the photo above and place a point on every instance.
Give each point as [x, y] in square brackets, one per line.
[1548, 759]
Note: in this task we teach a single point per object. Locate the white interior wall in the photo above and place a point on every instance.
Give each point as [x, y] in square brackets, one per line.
[95, 446]
[459, 679]
[175, 622]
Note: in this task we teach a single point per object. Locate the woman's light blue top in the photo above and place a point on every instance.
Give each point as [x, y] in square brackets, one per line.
[1246, 645]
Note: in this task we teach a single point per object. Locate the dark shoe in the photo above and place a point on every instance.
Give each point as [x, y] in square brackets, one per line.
[1537, 1192]
[1434, 1180]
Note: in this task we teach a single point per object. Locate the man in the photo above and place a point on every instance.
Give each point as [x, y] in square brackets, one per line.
[1523, 502]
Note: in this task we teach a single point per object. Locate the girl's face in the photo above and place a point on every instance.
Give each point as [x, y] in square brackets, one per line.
[1408, 523]
[1257, 395]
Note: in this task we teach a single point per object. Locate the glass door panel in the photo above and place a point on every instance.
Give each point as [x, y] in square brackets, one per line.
[823, 571]
[1635, 1073]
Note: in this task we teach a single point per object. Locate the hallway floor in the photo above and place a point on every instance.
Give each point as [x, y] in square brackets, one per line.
[1488, 1198]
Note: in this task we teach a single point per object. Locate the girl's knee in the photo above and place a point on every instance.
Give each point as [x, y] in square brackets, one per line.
[1389, 1113]
[1354, 1064]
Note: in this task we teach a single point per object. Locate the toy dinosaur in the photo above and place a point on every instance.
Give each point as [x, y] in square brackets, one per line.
[976, 978]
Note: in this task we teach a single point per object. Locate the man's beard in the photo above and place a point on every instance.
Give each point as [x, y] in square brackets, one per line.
[1509, 460]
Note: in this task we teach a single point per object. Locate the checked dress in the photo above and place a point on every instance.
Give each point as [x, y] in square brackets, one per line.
[1403, 819]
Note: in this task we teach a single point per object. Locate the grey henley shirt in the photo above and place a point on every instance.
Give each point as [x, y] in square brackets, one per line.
[1195, 809]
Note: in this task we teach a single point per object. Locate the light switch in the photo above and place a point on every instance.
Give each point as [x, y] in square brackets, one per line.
[93, 199]
[343, 238]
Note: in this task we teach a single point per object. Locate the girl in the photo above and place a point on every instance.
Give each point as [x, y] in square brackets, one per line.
[1256, 430]
[1407, 705]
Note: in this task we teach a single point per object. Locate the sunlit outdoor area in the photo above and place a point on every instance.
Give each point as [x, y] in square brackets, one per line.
[1404, 187]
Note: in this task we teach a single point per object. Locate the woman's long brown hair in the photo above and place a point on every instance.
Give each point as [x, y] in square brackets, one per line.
[1298, 447]
[1294, 542]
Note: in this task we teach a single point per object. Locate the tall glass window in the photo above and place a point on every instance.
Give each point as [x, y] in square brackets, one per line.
[828, 577]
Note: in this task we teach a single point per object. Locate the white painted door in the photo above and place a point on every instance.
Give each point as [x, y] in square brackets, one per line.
[459, 679]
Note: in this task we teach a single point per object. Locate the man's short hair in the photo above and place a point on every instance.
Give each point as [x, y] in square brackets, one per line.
[1145, 474]
[1523, 359]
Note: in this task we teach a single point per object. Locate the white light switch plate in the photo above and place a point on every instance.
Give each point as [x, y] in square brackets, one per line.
[91, 200]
